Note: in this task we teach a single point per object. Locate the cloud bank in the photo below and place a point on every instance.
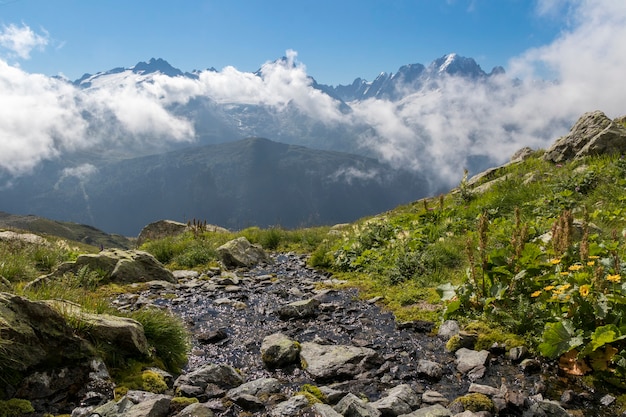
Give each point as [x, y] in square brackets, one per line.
[461, 123]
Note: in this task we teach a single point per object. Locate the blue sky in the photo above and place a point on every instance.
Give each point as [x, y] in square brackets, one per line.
[336, 40]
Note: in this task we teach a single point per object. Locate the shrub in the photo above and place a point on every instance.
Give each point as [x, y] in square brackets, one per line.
[166, 334]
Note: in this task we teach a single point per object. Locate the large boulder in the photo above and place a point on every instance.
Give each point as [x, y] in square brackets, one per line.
[126, 334]
[159, 230]
[116, 266]
[241, 253]
[324, 362]
[165, 228]
[36, 335]
[593, 134]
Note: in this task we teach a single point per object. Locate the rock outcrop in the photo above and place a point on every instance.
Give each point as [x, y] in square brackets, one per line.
[593, 134]
[164, 228]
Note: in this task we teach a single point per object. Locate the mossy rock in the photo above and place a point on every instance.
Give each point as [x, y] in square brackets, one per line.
[178, 403]
[315, 391]
[475, 402]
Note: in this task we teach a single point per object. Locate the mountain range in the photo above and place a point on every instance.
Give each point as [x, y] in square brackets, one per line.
[251, 182]
[163, 143]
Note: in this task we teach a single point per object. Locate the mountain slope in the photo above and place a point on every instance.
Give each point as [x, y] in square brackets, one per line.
[238, 184]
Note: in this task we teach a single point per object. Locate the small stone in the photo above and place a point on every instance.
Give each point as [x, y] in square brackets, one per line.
[607, 400]
[430, 369]
[434, 397]
[530, 366]
[518, 353]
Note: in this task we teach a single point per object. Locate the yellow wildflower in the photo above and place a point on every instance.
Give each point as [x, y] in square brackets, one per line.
[575, 267]
[584, 290]
[591, 263]
[536, 294]
[594, 257]
[555, 261]
[614, 278]
[564, 273]
[549, 287]
[565, 286]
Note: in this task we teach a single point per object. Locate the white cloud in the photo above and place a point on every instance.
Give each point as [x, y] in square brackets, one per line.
[20, 41]
[441, 131]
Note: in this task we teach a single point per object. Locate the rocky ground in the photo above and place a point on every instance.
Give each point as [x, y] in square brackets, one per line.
[260, 335]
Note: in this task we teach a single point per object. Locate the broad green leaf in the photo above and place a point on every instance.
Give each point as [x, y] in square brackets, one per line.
[451, 309]
[602, 336]
[559, 338]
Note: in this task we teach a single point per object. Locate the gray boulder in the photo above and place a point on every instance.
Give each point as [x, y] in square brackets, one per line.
[126, 334]
[353, 406]
[37, 335]
[332, 361]
[159, 230]
[256, 388]
[195, 383]
[299, 309]
[291, 407]
[472, 362]
[324, 410]
[115, 266]
[196, 410]
[278, 350]
[398, 400]
[241, 253]
[165, 228]
[593, 134]
[154, 407]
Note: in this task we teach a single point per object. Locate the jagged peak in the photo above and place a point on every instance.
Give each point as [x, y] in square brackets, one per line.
[156, 65]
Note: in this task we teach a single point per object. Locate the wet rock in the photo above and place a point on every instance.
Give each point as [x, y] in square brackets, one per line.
[401, 399]
[334, 361]
[299, 309]
[291, 407]
[429, 369]
[471, 362]
[248, 402]
[278, 350]
[432, 411]
[420, 326]
[212, 336]
[223, 376]
[241, 253]
[353, 406]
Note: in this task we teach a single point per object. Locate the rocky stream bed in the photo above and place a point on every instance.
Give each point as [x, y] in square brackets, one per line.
[261, 334]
